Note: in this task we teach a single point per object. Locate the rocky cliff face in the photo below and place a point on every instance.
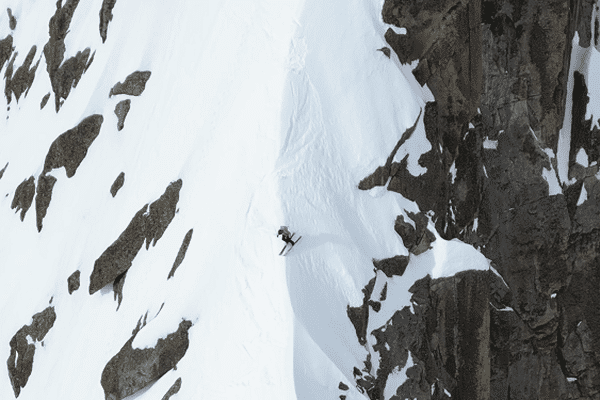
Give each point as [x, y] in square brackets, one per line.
[499, 73]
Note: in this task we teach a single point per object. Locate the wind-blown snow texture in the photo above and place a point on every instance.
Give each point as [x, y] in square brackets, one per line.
[437, 221]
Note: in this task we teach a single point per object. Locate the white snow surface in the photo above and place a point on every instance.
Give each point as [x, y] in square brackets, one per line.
[397, 378]
[271, 113]
[579, 58]
[455, 256]
[550, 175]
[453, 172]
[582, 158]
[582, 196]
[490, 144]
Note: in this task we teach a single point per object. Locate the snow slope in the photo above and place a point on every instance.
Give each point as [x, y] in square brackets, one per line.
[271, 113]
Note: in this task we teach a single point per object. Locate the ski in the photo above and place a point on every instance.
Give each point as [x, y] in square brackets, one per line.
[292, 246]
[282, 250]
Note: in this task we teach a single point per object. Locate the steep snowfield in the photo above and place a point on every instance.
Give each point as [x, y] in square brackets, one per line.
[271, 113]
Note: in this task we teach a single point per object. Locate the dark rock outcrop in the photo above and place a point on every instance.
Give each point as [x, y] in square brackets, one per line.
[466, 49]
[148, 224]
[161, 213]
[22, 348]
[583, 135]
[67, 76]
[134, 84]
[63, 76]
[498, 70]
[383, 294]
[131, 370]
[448, 337]
[121, 110]
[382, 174]
[12, 21]
[24, 196]
[73, 281]
[54, 50]
[392, 266]
[105, 17]
[181, 253]
[6, 49]
[20, 82]
[43, 198]
[70, 148]
[359, 316]
[44, 100]
[386, 51]
[173, 389]
[117, 184]
[58, 28]
[117, 258]
[418, 239]
[3, 170]
[118, 284]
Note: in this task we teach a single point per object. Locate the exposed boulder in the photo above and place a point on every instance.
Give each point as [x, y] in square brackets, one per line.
[24, 196]
[148, 224]
[22, 348]
[134, 84]
[106, 17]
[181, 253]
[131, 370]
[121, 110]
[117, 184]
[73, 281]
[70, 148]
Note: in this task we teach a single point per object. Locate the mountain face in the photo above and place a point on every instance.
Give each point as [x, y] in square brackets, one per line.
[439, 159]
[501, 73]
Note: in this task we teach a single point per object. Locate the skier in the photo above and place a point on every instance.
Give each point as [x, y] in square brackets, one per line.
[286, 236]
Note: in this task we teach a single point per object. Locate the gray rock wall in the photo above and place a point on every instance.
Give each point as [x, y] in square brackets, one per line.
[498, 71]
